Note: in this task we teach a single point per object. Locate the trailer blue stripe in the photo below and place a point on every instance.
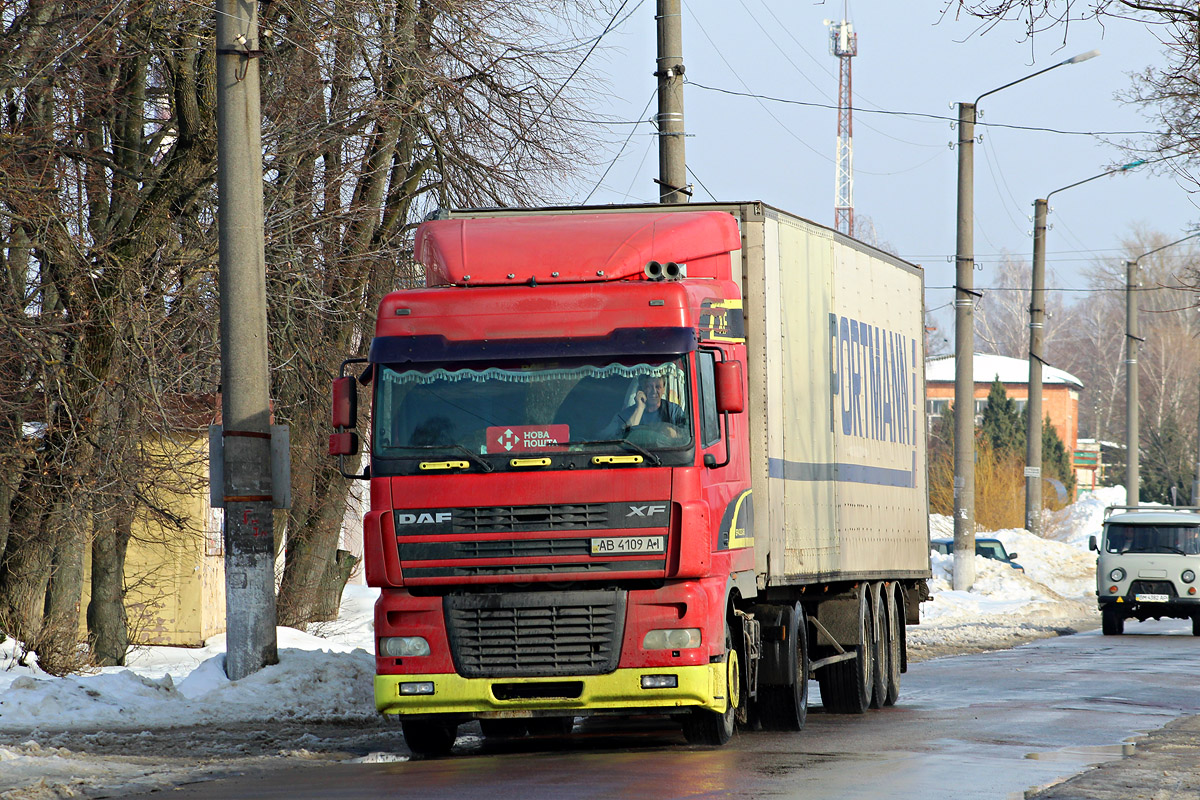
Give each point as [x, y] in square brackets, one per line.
[841, 473]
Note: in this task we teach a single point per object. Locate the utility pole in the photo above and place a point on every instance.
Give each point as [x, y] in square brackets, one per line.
[964, 336]
[964, 356]
[1196, 482]
[1033, 406]
[245, 381]
[1131, 384]
[672, 166]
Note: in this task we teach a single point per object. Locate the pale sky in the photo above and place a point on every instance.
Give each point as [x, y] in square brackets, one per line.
[910, 60]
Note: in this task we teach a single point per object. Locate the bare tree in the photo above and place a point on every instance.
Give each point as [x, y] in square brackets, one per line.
[1169, 91]
[1002, 320]
[386, 110]
[376, 111]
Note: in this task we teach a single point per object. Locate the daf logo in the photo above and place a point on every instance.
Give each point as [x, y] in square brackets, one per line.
[645, 511]
[423, 519]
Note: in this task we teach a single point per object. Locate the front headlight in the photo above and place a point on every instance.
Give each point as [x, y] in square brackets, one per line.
[672, 639]
[1188, 576]
[403, 646]
[1117, 575]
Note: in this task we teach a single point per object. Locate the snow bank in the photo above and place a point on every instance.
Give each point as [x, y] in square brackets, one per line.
[317, 679]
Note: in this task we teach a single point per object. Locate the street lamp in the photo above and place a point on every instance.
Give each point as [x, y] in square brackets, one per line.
[964, 336]
[1037, 309]
[1132, 434]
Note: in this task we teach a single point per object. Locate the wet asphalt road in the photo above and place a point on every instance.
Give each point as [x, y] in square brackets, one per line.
[968, 727]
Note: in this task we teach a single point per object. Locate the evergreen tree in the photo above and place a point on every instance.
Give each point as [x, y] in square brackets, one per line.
[1166, 462]
[1056, 461]
[1002, 426]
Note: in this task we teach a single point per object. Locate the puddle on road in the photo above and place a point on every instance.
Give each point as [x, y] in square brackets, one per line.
[1097, 753]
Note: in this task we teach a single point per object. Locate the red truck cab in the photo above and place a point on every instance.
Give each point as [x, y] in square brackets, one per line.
[547, 543]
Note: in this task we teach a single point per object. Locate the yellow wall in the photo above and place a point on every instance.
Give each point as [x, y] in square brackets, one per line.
[175, 579]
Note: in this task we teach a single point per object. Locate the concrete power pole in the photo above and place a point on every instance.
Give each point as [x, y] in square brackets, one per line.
[964, 357]
[1131, 384]
[1196, 482]
[672, 166]
[245, 387]
[1033, 407]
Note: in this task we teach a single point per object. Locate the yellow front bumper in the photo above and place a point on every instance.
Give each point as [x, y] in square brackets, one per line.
[699, 687]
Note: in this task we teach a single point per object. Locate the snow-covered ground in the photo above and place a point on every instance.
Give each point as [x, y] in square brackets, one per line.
[325, 675]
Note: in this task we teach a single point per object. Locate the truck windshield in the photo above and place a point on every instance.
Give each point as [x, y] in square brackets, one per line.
[535, 409]
[1182, 540]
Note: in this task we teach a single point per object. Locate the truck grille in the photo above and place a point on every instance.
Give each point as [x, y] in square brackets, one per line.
[526, 518]
[516, 519]
[1152, 587]
[535, 634]
[505, 548]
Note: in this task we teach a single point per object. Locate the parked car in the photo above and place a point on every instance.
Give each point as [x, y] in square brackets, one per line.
[988, 548]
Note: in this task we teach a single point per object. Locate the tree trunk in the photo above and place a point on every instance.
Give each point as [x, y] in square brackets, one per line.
[108, 631]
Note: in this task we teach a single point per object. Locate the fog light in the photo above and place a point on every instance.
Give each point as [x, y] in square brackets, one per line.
[672, 639]
[1188, 576]
[403, 646]
[660, 681]
[421, 687]
[1117, 575]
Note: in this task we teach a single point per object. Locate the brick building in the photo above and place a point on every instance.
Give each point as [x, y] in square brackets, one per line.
[1060, 390]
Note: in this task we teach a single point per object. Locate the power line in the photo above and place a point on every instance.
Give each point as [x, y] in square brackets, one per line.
[595, 43]
[619, 151]
[918, 114]
[1068, 290]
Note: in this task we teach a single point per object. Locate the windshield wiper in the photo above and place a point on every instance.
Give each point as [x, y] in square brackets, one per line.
[487, 467]
[633, 446]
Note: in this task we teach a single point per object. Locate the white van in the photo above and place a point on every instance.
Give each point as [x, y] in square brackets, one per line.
[1147, 567]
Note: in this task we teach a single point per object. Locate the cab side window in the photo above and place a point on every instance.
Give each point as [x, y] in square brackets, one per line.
[710, 428]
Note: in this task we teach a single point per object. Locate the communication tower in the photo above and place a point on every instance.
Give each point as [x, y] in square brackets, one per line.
[843, 43]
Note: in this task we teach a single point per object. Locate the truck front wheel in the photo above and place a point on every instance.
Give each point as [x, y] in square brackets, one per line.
[429, 737]
[702, 726]
[1111, 621]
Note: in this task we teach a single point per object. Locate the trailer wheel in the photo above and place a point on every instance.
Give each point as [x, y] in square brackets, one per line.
[702, 726]
[1112, 623]
[785, 708]
[429, 737]
[846, 686]
[894, 639]
[879, 646]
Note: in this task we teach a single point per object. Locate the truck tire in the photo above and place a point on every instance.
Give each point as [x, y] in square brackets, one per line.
[785, 708]
[429, 737]
[1111, 621]
[1196, 626]
[894, 643]
[702, 726]
[846, 686]
[879, 649]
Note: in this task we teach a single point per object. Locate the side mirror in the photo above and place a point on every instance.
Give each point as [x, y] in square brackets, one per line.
[345, 403]
[1012, 556]
[1092, 543]
[345, 415]
[730, 397]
